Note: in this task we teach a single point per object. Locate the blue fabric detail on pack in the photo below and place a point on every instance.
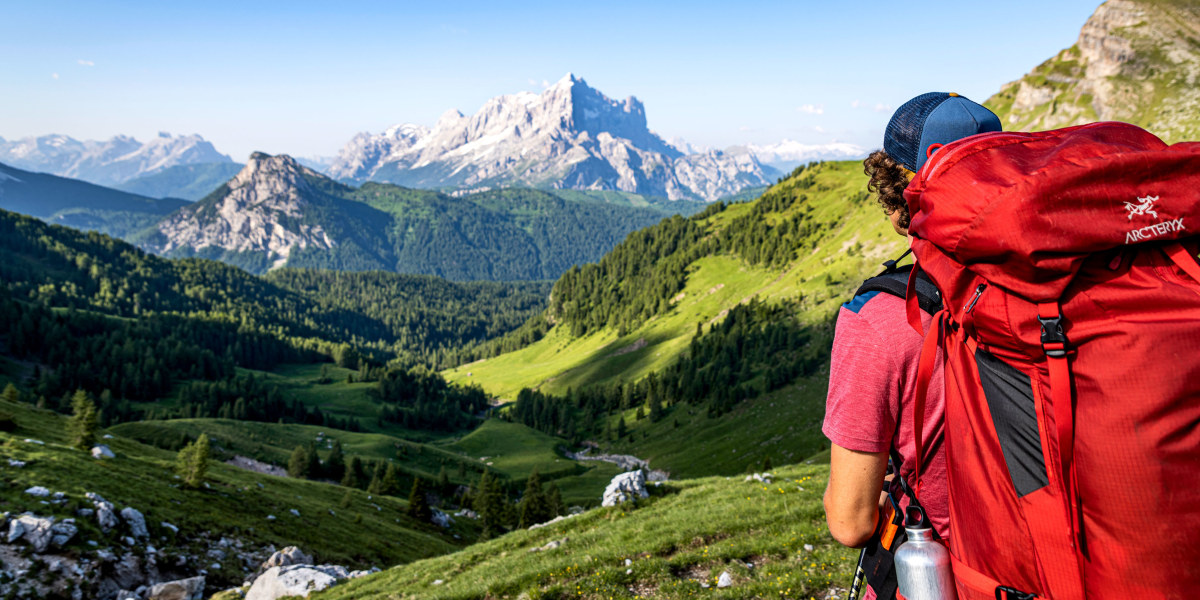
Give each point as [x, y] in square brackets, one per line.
[859, 301]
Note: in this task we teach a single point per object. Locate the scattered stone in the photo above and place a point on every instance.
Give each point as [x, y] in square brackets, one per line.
[808, 547]
[12, 462]
[468, 513]
[294, 580]
[136, 522]
[36, 531]
[438, 582]
[441, 519]
[102, 451]
[129, 541]
[127, 595]
[285, 558]
[628, 571]
[108, 436]
[191, 588]
[33, 441]
[85, 512]
[551, 545]
[764, 478]
[295, 513]
[725, 580]
[63, 531]
[270, 517]
[551, 521]
[625, 487]
[106, 515]
[38, 491]
[166, 525]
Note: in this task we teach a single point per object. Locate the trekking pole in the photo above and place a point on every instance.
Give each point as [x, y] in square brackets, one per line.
[859, 576]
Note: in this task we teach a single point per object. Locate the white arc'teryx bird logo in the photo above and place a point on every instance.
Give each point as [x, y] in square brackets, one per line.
[1144, 207]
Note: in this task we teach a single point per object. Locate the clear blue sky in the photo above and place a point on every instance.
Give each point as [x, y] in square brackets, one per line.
[303, 77]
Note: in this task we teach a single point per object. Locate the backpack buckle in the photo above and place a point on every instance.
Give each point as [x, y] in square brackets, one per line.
[1054, 341]
[1003, 592]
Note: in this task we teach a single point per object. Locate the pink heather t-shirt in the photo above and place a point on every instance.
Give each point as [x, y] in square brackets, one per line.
[872, 382]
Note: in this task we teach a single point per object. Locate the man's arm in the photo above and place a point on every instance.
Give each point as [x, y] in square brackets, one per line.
[852, 496]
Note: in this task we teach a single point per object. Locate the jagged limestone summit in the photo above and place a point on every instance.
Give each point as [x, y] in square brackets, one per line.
[569, 136]
[1136, 61]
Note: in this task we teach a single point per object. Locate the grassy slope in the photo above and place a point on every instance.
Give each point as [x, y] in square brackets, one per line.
[688, 532]
[236, 503]
[715, 284]
[512, 450]
[784, 424]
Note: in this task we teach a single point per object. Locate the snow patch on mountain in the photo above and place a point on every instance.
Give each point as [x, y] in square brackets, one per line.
[568, 136]
[107, 162]
[788, 154]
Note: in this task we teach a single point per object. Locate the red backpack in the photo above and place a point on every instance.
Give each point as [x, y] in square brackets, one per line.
[1071, 335]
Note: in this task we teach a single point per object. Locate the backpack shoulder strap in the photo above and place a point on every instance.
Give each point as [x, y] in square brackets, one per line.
[895, 282]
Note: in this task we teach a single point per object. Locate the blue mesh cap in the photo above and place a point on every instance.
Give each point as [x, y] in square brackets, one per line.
[933, 118]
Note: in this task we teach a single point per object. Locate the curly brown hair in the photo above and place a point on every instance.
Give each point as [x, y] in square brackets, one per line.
[888, 179]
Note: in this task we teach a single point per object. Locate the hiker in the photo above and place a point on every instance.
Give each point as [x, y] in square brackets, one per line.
[873, 371]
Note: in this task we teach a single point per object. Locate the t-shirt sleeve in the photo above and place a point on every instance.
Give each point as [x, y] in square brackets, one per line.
[864, 387]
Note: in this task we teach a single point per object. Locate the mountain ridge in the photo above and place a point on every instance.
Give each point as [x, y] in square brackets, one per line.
[1136, 61]
[110, 162]
[569, 136]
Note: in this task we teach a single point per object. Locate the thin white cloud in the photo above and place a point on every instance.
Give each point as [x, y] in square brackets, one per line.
[819, 129]
[54, 75]
[812, 109]
[87, 63]
[545, 83]
[879, 106]
[532, 81]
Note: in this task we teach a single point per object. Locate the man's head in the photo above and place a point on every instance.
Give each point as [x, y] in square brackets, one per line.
[917, 129]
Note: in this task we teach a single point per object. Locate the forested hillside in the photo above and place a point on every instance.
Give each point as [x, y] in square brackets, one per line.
[665, 345]
[85, 311]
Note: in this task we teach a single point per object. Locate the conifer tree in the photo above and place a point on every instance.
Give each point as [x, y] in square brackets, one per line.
[335, 465]
[298, 463]
[656, 408]
[377, 474]
[313, 468]
[390, 485]
[766, 466]
[352, 476]
[489, 503]
[11, 393]
[621, 431]
[84, 421]
[191, 463]
[443, 480]
[533, 509]
[554, 500]
[418, 502]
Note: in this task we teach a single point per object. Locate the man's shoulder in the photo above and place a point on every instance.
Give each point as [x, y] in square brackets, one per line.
[875, 304]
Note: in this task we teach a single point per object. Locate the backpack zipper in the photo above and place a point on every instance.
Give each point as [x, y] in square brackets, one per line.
[971, 305]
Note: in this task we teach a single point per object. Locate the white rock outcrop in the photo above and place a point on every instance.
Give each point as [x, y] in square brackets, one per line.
[287, 557]
[191, 588]
[102, 451]
[136, 522]
[295, 580]
[625, 487]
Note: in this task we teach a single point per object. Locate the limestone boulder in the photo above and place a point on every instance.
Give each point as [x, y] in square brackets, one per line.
[191, 588]
[295, 580]
[625, 487]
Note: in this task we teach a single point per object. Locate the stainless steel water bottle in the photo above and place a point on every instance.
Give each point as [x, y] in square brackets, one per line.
[923, 564]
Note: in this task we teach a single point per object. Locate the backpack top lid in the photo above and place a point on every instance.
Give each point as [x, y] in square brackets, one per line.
[1024, 210]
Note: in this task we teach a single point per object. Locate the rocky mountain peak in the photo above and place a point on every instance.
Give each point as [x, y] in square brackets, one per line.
[1134, 61]
[569, 135]
[261, 209]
